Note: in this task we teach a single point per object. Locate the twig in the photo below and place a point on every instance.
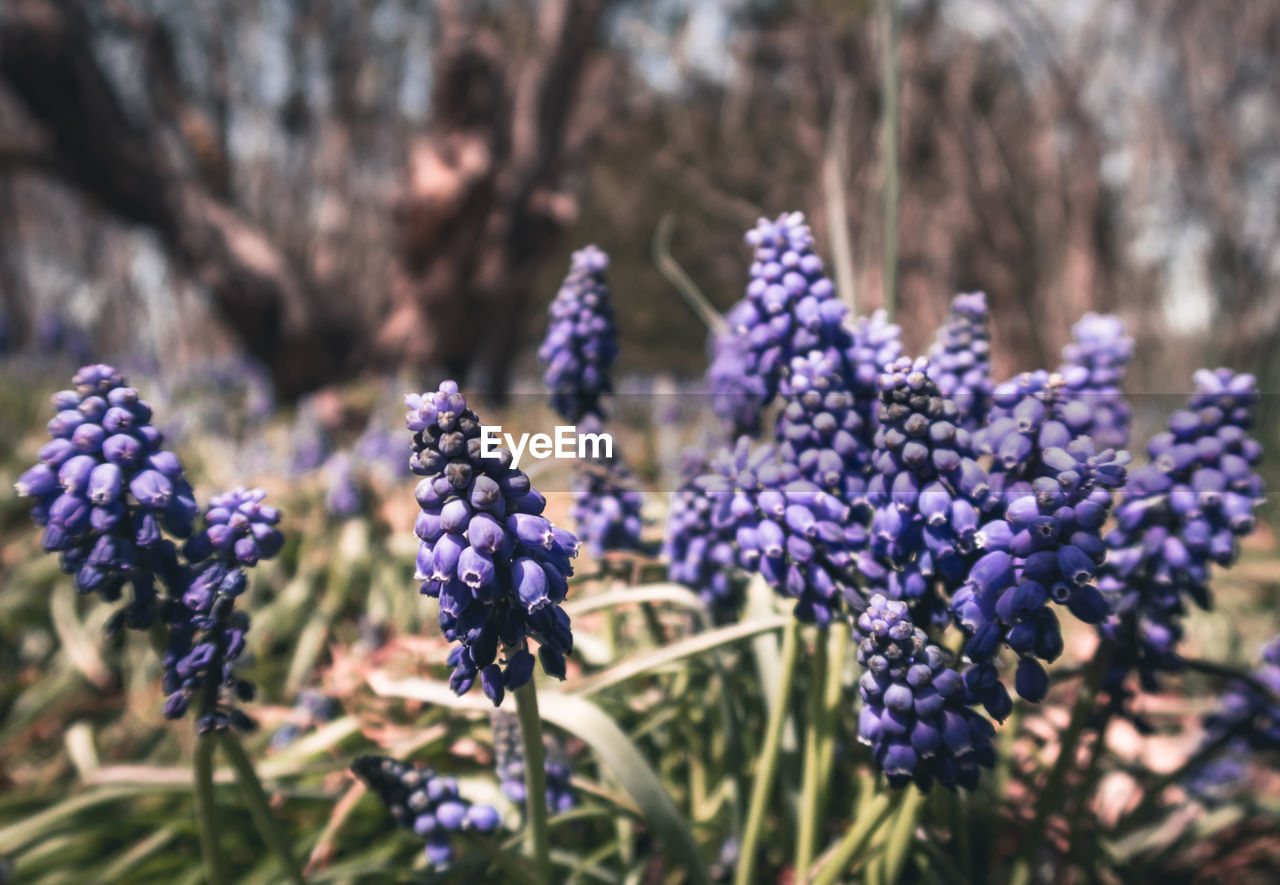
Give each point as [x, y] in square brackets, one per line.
[682, 282]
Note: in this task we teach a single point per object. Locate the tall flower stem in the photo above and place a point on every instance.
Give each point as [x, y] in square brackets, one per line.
[535, 780]
[833, 698]
[889, 152]
[762, 786]
[816, 737]
[260, 807]
[836, 862]
[215, 867]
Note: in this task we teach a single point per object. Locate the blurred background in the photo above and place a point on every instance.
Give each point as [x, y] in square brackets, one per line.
[331, 189]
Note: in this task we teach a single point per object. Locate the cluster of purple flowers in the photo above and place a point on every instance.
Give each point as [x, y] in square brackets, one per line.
[700, 549]
[1102, 350]
[425, 802]
[107, 492]
[206, 630]
[311, 708]
[960, 359]
[508, 755]
[785, 527]
[1046, 546]
[917, 712]
[928, 492]
[1179, 513]
[821, 432]
[498, 567]
[607, 507]
[581, 342]
[1245, 721]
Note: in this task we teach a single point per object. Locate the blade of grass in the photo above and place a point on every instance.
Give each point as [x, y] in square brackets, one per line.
[762, 786]
[683, 283]
[260, 807]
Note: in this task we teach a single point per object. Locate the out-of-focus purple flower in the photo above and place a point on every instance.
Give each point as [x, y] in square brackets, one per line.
[917, 714]
[107, 493]
[425, 802]
[582, 341]
[607, 507]
[873, 344]
[310, 709]
[1179, 513]
[206, 631]
[1094, 364]
[784, 527]
[498, 567]
[1245, 721]
[509, 762]
[738, 396]
[700, 551]
[342, 494]
[960, 359]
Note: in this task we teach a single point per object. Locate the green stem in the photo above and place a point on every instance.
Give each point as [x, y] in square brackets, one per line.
[762, 786]
[215, 865]
[1051, 796]
[535, 780]
[836, 862]
[889, 152]
[902, 835]
[816, 738]
[833, 699]
[260, 807]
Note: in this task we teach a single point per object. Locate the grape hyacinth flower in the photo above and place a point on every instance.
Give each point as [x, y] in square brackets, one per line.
[874, 343]
[581, 342]
[342, 496]
[311, 708]
[607, 504]
[206, 631]
[960, 359]
[1245, 721]
[785, 527]
[1101, 350]
[429, 804]
[1246, 712]
[928, 492]
[1045, 547]
[699, 549]
[498, 567]
[917, 714]
[107, 493]
[1179, 513]
[820, 431]
[509, 763]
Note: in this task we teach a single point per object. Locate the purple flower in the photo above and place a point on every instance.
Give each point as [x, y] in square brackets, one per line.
[699, 550]
[1094, 364]
[1180, 513]
[917, 714]
[107, 495]
[960, 359]
[509, 762]
[425, 802]
[497, 566]
[581, 342]
[206, 631]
